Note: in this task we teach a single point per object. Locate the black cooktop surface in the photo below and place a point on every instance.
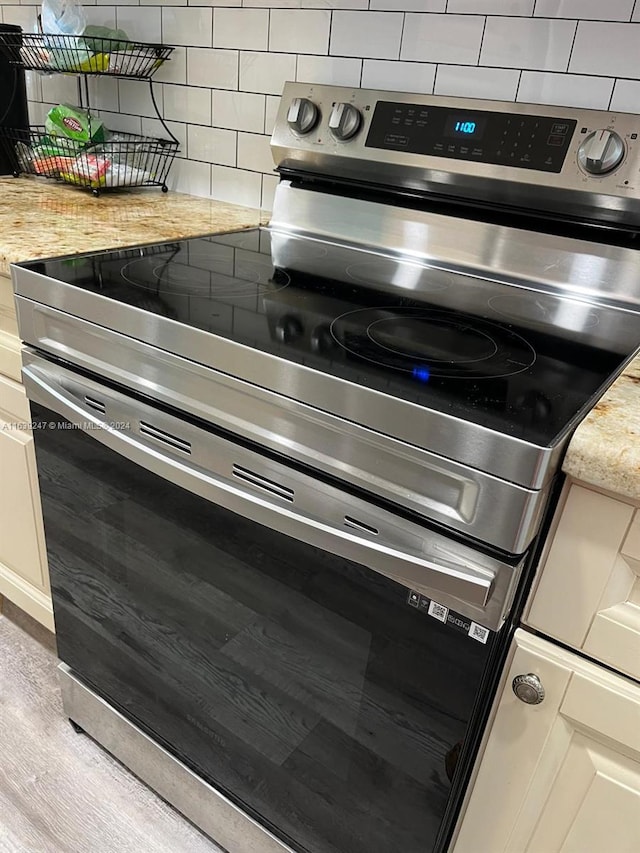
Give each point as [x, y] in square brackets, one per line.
[520, 362]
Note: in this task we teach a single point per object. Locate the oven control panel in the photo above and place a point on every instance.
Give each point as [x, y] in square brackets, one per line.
[560, 159]
[526, 141]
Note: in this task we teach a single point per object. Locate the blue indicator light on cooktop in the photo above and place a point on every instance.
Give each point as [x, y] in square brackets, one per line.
[421, 373]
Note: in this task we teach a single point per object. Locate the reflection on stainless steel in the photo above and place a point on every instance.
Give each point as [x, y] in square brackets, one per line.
[564, 266]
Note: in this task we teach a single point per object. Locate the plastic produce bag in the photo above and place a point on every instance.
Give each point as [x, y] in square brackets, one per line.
[63, 17]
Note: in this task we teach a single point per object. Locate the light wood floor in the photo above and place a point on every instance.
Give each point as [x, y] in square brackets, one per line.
[59, 791]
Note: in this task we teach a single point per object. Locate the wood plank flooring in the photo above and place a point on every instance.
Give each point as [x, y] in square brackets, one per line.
[59, 791]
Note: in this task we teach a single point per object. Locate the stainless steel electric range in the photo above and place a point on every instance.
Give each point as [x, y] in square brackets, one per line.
[295, 479]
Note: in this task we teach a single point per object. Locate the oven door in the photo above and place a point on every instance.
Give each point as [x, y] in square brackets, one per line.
[271, 630]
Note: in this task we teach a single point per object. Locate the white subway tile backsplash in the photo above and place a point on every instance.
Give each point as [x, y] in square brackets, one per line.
[500, 84]
[534, 43]
[334, 4]
[23, 16]
[174, 70]
[626, 96]
[213, 68]
[368, 34]
[254, 152]
[238, 111]
[266, 72]
[134, 98]
[236, 185]
[187, 26]
[336, 71]
[609, 49]
[612, 10]
[189, 176]
[245, 29]
[409, 5]
[398, 76]
[221, 91]
[492, 7]
[271, 110]
[299, 31]
[139, 24]
[443, 38]
[538, 87]
[186, 103]
[269, 184]
[211, 144]
[154, 128]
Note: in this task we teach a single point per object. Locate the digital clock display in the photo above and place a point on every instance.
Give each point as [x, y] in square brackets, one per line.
[464, 127]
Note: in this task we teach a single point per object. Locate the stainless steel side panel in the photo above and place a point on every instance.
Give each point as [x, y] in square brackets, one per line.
[273, 494]
[475, 503]
[198, 801]
[470, 444]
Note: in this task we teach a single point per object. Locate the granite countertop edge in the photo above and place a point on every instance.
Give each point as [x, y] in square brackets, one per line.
[605, 449]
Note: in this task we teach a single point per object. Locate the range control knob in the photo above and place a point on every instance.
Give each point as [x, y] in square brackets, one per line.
[528, 688]
[344, 121]
[288, 329]
[302, 116]
[601, 152]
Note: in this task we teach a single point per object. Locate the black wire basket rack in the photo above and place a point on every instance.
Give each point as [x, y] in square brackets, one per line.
[83, 54]
[123, 160]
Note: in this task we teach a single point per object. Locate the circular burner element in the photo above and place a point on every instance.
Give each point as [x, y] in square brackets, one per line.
[400, 274]
[430, 343]
[251, 277]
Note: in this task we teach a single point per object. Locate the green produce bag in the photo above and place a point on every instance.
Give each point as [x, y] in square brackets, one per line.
[74, 123]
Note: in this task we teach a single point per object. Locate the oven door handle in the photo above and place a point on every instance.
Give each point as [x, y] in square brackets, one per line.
[67, 394]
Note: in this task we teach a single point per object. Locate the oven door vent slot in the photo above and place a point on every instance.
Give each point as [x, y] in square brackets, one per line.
[98, 405]
[165, 437]
[349, 521]
[261, 482]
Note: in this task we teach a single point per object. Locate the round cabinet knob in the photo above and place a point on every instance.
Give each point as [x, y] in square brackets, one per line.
[601, 152]
[344, 121]
[528, 688]
[302, 116]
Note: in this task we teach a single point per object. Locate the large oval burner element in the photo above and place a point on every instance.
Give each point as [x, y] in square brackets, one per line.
[428, 343]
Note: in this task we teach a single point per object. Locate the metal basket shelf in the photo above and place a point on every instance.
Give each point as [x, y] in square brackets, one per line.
[125, 161]
[55, 54]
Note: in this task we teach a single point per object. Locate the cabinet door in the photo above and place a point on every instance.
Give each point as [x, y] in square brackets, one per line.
[562, 776]
[23, 570]
[588, 592]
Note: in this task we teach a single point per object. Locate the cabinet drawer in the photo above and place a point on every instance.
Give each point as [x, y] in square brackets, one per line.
[588, 590]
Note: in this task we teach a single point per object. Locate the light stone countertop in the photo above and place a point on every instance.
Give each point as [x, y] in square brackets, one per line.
[605, 449]
[43, 219]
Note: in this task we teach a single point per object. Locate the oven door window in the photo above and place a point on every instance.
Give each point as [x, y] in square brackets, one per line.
[301, 685]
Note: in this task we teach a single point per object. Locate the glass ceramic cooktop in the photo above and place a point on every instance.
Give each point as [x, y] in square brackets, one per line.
[516, 361]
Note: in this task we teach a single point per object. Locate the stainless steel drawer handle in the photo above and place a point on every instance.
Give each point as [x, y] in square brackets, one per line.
[528, 688]
[167, 438]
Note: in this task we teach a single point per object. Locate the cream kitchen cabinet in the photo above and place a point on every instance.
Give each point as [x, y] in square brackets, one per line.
[23, 565]
[587, 593]
[561, 776]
